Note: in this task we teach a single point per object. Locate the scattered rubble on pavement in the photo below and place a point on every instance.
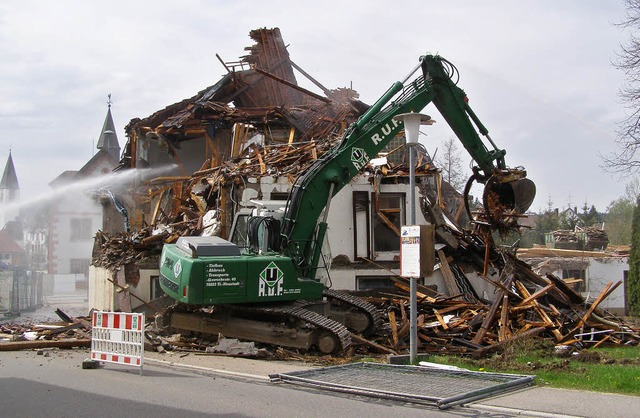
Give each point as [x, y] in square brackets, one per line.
[526, 305]
[69, 332]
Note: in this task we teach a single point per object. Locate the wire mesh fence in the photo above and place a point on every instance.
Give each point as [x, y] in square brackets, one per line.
[443, 388]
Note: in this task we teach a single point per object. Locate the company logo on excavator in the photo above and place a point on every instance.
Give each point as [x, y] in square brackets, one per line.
[389, 128]
[359, 158]
[177, 269]
[271, 281]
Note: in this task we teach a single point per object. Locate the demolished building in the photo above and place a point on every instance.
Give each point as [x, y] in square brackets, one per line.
[248, 137]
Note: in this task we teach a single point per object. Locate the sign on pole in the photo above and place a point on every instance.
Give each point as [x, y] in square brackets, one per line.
[417, 253]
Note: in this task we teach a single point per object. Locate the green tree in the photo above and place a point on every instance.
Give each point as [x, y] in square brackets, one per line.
[589, 215]
[626, 160]
[618, 221]
[633, 283]
[619, 216]
[547, 221]
[450, 163]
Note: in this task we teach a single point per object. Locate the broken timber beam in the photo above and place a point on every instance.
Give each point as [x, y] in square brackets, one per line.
[608, 289]
[293, 86]
[536, 295]
[372, 344]
[27, 345]
[447, 274]
[488, 320]
[543, 315]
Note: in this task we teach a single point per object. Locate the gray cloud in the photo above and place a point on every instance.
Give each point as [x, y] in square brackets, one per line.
[538, 74]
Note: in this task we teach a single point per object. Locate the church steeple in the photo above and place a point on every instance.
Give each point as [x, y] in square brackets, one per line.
[9, 178]
[9, 194]
[108, 139]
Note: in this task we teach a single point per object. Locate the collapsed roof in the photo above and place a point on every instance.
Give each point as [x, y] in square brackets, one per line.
[259, 90]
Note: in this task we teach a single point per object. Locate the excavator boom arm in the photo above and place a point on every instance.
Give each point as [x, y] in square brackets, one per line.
[302, 235]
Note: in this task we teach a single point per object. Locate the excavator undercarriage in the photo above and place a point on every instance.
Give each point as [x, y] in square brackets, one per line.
[324, 325]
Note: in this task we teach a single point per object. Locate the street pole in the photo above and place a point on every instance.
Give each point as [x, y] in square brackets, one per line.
[412, 122]
[413, 301]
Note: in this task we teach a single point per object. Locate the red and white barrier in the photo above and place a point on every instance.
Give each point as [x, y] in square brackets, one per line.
[118, 337]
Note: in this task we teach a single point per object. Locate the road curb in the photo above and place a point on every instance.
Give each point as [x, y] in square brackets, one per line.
[206, 369]
[515, 411]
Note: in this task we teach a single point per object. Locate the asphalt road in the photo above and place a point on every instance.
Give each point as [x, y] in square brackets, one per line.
[55, 385]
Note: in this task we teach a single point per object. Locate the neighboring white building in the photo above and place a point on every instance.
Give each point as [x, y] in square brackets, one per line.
[588, 272]
[76, 216]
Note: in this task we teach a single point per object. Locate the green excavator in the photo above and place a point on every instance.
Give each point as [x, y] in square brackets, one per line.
[268, 291]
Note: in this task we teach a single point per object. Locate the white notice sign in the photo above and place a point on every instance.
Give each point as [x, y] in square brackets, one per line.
[410, 251]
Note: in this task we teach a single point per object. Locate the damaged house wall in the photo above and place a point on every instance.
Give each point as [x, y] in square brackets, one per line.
[588, 272]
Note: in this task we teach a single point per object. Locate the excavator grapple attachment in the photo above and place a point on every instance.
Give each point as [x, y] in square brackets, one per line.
[507, 196]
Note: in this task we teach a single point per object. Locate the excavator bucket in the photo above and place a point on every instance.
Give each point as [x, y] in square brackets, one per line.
[505, 200]
[524, 192]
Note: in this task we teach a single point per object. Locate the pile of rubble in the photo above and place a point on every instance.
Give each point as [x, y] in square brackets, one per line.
[526, 305]
[195, 198]
[69, 332]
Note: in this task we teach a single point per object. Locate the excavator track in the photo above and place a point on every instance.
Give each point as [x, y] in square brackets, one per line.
[374, 314]
[298, 311]
[287, 325]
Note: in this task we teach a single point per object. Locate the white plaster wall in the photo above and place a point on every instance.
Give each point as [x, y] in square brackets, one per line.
[101, 290]
[143, 289]
[6, 286]
[602, 271]
[64, 284]
[340, 219]
[65, 248]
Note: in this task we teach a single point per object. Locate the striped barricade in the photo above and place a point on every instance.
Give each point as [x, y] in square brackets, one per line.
[118, 337]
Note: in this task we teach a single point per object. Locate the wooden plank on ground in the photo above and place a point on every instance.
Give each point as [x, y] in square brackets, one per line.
[28, 345]
[394, 328]
[447, 274]
[541, 313]
[481, 352]
[372, 344]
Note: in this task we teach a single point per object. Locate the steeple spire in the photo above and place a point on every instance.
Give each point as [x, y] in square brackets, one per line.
[9, 194]
[9, 177]
[108, 138]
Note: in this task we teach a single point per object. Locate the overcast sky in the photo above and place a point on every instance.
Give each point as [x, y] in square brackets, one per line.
[538, 73]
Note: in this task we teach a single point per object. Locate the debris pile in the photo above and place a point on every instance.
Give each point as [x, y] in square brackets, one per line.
[67, 333]
[595, 238]
[581, 238]
[565, 239]
[196, 196]
[525, 305]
